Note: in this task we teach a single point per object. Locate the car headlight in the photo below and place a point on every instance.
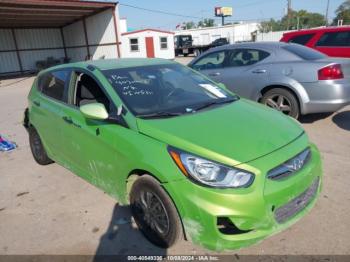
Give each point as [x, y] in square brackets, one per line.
[209, 172]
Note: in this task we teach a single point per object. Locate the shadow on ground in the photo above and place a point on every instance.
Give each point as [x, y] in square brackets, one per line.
[342, 120]
[308, 119]
[124, 238]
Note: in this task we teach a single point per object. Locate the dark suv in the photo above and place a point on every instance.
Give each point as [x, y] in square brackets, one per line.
[332, 41]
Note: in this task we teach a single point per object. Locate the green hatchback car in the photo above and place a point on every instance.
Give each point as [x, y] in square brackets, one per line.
[193, 160]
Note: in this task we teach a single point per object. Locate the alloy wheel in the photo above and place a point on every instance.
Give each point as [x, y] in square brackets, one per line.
[279, 102]
[152, 213]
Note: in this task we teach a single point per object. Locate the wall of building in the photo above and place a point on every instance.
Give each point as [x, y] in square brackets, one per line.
[270, 36]
[142, 53]
[33, 45]
[234, 33]
[99, 42]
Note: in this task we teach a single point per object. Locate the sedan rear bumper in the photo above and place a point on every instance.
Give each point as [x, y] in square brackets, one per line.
[326, 96]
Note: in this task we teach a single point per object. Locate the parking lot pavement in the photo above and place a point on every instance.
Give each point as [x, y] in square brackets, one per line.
[184, 60]
[49, 210]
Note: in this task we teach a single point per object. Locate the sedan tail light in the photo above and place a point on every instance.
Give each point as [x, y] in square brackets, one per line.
[330, 72]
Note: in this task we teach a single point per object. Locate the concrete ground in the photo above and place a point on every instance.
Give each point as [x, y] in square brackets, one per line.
[49, 210]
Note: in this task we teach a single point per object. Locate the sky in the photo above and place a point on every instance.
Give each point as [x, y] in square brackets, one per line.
[242, 10]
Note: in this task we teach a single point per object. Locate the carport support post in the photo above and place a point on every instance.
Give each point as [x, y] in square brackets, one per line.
[86, 39]
[17, 52]
[116, 31]
[64, 43]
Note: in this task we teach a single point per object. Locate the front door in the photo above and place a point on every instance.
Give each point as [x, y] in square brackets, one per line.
[90, 144]
[149, 47]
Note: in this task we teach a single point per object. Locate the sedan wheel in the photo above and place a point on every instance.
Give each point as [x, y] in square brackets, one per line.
[279, 102]
[282, 100]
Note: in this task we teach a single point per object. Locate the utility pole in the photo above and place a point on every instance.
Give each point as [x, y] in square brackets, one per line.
[298, 22]
[289, 9]
[326, 16]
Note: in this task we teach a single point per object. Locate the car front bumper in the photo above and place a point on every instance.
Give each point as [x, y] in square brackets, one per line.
[326, 96]
[251, 210]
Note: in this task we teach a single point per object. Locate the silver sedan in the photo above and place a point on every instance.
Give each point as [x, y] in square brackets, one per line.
[291, 78]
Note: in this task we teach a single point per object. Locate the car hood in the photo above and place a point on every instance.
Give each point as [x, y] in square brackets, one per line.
[231, 133]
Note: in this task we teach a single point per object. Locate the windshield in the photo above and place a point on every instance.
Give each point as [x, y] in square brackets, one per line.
[169, 88]
[303, 52]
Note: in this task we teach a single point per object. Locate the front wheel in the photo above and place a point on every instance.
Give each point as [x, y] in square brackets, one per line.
[154, 212]
[282, 100]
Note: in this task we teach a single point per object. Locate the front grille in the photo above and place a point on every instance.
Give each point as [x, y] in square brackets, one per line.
[291, 166]
[282, 214]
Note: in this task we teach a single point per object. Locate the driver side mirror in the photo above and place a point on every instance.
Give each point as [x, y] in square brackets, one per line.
[95, 111]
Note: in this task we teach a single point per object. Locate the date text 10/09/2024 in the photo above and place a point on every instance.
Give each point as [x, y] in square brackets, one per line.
[173, 258]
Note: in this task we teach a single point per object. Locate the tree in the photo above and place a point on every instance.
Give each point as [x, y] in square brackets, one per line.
[271, 25]
[343, 13]
[296, 20]
[207, 22]
[189, 25]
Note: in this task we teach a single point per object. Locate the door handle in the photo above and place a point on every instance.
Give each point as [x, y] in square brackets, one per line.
[67, 119]
[36, 103]
[259, 71]
[214, 74]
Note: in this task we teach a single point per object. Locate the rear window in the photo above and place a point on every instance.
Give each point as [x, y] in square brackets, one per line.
[335, 39]
[301, 39]
[304, 52]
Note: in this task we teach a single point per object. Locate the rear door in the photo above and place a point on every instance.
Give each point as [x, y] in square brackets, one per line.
[245, 72]
[46, 109]
[336, 44]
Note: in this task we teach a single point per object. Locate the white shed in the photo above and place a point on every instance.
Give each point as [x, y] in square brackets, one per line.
[35, 34]
[148, 43]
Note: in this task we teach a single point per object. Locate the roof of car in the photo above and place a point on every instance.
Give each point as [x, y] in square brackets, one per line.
[105, 64]
[319, 29]
[263, 45]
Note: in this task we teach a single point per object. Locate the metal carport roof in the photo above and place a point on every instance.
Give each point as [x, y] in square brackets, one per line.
[47, 13]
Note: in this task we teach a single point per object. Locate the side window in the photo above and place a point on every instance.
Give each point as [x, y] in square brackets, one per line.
[88, 91]
[301, 39]
[335, 39]
[245, 57]
[134, 44]
[163, 42]
[54, 84]
[211, 61]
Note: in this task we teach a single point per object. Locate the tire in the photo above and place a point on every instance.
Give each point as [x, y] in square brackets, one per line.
[148, 200]
[37, 148]
[282, 100]
[185, 55]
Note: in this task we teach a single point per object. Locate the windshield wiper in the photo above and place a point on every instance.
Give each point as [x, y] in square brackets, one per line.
[212, 103]
[160, 115]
